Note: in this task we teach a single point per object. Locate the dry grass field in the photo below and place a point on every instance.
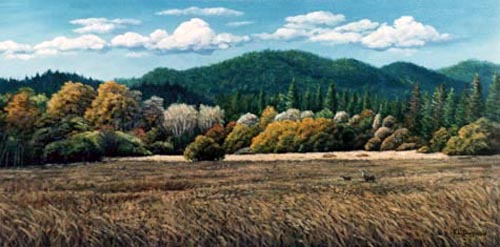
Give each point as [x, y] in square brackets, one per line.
[423, 202]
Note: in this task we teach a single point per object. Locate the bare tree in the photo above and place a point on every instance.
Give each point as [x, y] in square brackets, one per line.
[208, 116]
[181, 119]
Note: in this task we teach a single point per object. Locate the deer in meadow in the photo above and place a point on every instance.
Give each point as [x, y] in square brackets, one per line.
[367, 177]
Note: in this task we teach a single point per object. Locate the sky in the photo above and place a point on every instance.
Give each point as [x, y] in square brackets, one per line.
[109, 39]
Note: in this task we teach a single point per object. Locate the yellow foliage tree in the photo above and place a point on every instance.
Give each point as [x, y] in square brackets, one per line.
[73, 99]
[267, 117]
[115, 106]
[267, 140]
[21, 112]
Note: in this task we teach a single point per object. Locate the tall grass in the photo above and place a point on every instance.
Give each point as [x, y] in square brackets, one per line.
[268, 204]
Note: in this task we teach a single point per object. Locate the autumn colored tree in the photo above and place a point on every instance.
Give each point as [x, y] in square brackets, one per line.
[267, 117]
[115, 106]
[73, 99]
[21, 112]
[152, 112]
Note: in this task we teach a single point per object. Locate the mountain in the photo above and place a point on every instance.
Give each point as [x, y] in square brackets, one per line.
[48, 82]
[272, 71]
[427, 79]
[466, 70]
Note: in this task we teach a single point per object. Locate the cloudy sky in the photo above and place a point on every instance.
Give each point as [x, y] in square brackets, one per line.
[107, 39]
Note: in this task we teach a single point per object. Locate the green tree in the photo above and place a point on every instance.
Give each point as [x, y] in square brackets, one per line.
[319, 99]
[427, 125]
[476, 100]
[292, 96]
[438, 99]
[331, 98]
[412, 116]
[461, 112]
[261, 101]
[367, 101]
[449, 109]
[308, 101]
[493, 100]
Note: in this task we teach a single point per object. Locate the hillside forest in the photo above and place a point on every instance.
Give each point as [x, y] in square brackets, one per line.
[317, 105]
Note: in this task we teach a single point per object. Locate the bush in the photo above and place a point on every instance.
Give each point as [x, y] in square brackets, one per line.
[373, 144]
[439, 139]
[217, 133]
[325, 113]
[341, 117]
[78, 148]
[161, 148]
[267, 117]
[204, 148]
[389, 121]
[407, 146]
[290, 114]
[478, 138]
[306, 114]
[240, 137]
[248, 119]
[382, 133]
[393, 141]
[119, 144]
[267, 140]
[424, 149]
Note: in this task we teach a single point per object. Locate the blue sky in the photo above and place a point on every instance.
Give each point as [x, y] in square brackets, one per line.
[107, 39]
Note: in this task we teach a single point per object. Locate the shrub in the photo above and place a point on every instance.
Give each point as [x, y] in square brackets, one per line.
[161, 148]
[439, 139]
[325, 113]
[77, 148]
[208, 116]
[217, 133]
[290, 114]
[240, 137]
[306, 114]
[341, 117]
[389, 121]
[477, 138]
[382, 133]
[248, 119]
[267, 140]
[203, 148]
[393, 141]
[407, 146]
[119, 144]
[354, 119]
[373, 144]
[267, 117]
[424, 149]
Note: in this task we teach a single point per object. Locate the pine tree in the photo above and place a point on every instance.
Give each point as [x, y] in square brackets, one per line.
[292, 96]
[319, 99]
[461, 112]
[438, 99]
[412, 116]
[493, 100]
[307, 103]
[235, 104]
[331, 98]
[449, 109]
[261, 101]
[427, 125]
[476, 105]
[344, 99]
[366, 101]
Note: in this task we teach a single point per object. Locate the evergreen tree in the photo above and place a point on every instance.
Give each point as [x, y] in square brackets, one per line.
[331, 98]
[438, 99]
[343, 101]
[292, 96]
[461, 112]
[476, 104]
[493, 100]
[319, 99]
[427, 125]
[366, 101]
[450, 105]
[236, 103]
[308, 101]
[261, 101]
[412, 116]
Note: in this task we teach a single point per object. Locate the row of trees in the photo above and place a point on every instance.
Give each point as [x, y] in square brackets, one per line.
[78, 121]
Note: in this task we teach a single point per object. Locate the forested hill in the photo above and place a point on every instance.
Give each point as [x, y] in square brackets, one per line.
[427, 79]
[47, 83]
[467, 69]
[272, 72]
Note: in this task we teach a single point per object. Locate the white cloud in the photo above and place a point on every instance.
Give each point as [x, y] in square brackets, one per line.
[405, 32]
[334, 37]
[137, 54]
[130, 40]
[194, 35]
[84, 42]
[239, 23]
[218, 11]
[102, 25]
[314, 19]
[10, 46]
[358, 26]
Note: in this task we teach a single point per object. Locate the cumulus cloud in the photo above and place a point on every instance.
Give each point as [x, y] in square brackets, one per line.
[239, 23]
[102, 25]
[322, 26]
[218, 11]
[10, 46]
[62, 43]
[194, 35]
[405, 32]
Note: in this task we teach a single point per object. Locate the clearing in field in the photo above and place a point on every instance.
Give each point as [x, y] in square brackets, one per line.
[414, 202]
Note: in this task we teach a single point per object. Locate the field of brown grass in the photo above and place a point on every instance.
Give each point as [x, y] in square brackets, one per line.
[414, 202]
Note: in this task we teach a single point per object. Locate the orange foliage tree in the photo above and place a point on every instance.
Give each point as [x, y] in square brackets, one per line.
[73, 99]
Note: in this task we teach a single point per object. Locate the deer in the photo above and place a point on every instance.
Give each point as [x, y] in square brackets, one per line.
[346, 178]
[367, 177]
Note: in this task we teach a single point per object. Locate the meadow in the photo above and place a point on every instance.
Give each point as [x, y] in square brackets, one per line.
[414, 202]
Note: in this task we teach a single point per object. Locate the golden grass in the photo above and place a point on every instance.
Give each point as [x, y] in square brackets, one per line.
[453, 202]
